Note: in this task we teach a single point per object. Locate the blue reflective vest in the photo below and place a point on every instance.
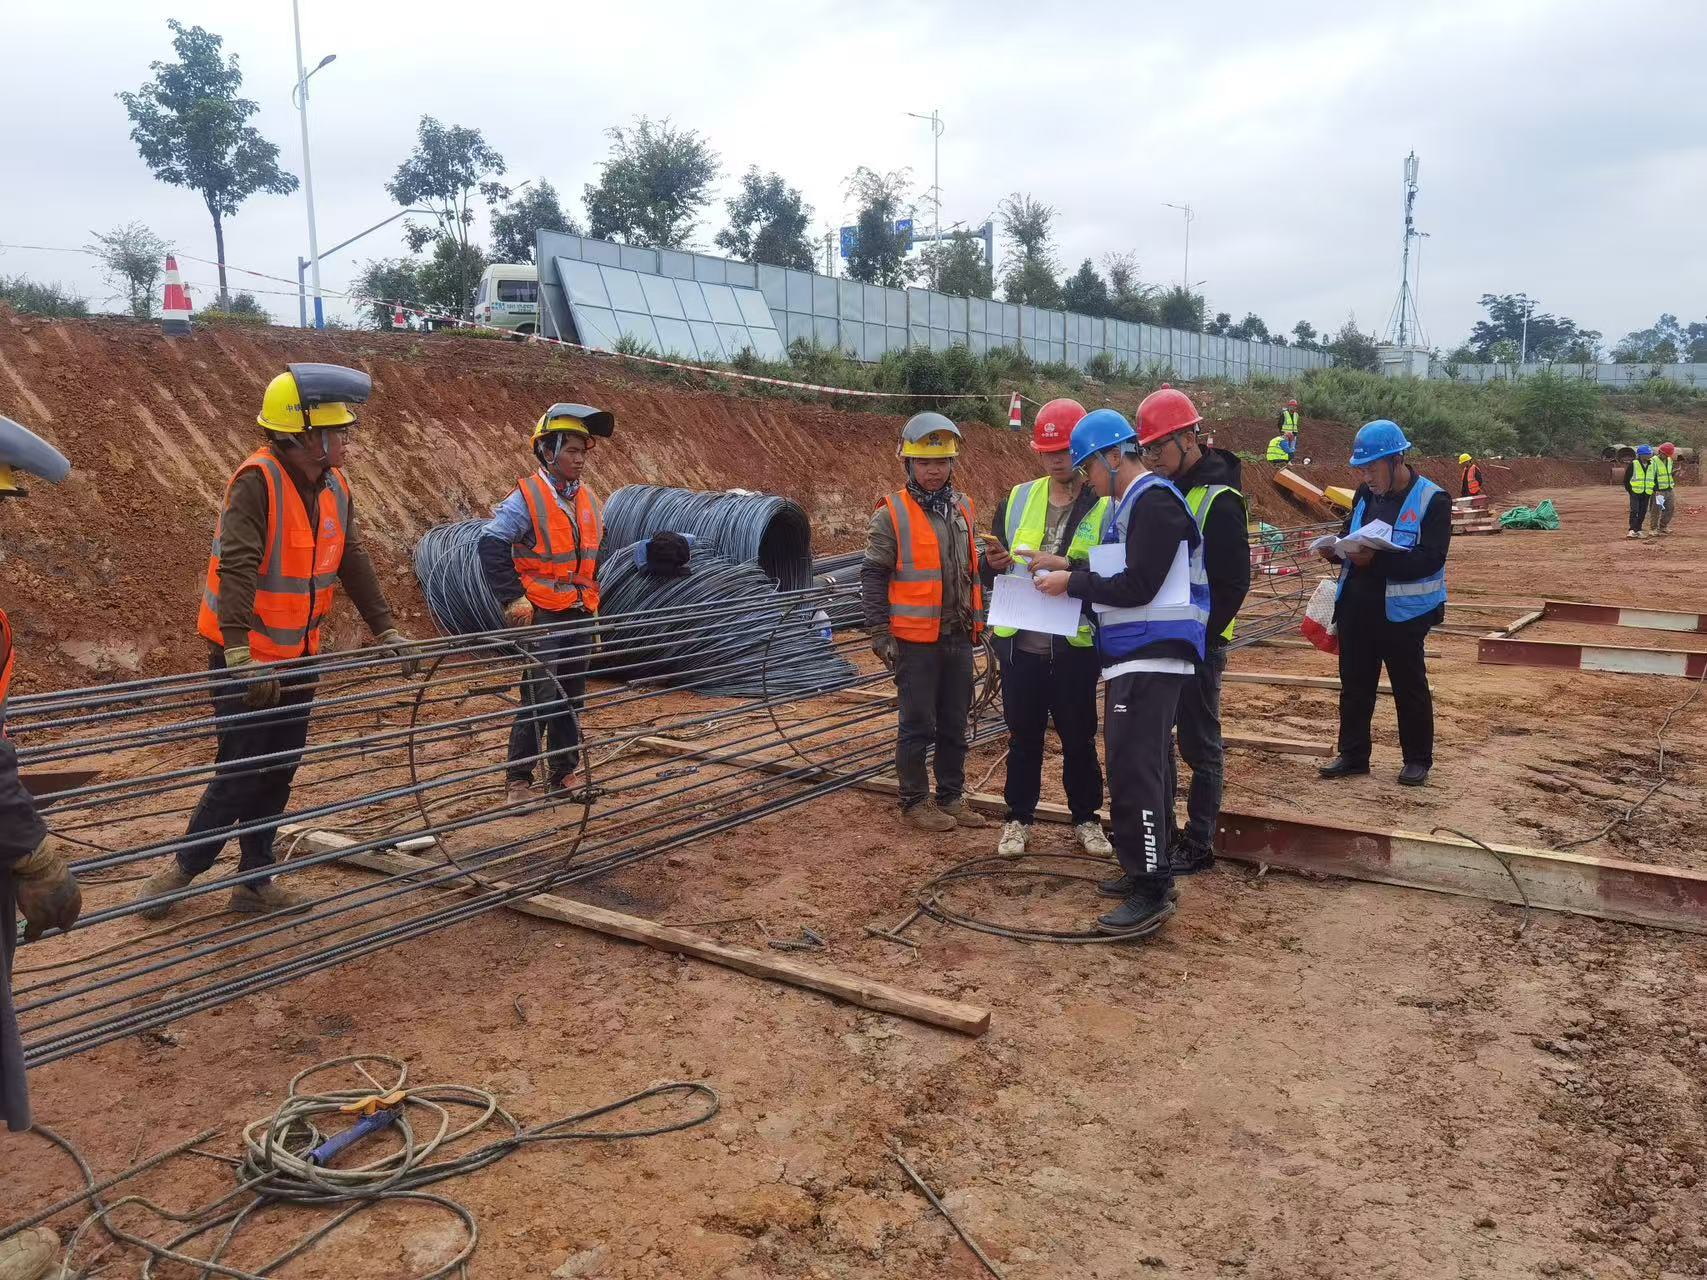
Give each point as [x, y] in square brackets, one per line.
[1123, 633]
[1407, 600]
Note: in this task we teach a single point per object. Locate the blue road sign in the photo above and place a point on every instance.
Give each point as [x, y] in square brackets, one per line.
[850, 241]
[904, 229]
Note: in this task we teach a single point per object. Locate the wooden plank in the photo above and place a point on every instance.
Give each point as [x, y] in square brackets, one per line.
[865, 992]
[1272, 642]
[1306, 493]
[1290, 681]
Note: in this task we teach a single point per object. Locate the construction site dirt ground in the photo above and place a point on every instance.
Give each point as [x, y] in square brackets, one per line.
[1296, 1078]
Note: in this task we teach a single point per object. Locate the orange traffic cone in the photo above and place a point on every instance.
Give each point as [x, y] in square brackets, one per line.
[397, 319]
[175, 310]
[1014, 418]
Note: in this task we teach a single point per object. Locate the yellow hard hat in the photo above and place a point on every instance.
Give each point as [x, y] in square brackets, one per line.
[1463, 458]
[313, 395]
[930, 435]
[581, 418]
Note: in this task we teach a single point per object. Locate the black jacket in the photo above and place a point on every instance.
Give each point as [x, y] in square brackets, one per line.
[1226, 539]
[1159, 523]
[1365, 593]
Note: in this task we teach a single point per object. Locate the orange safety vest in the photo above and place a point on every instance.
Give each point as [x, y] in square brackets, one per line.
[294, 583]
[5, 660]
[558, 572]
[1472, 480]
[915, 586]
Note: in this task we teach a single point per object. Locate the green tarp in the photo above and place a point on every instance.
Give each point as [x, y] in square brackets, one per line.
[1542, 516]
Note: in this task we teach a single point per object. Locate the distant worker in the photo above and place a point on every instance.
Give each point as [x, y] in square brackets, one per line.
[1664, 504]
[540, 555]
[1050, 523]
[1641, 478]
[1284, 447]
[269, 589]
[1151, 646]
[1387, 602]
[924, 606]
[1470, 483]
[35, 871]
[1169, 444]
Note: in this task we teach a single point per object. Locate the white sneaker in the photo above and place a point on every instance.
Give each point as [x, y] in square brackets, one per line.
[1012, 843]
[1092, 840]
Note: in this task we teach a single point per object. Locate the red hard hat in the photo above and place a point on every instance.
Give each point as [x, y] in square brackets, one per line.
[1165, 412]
[1291, 404]
[1053, 429]
[1668, 448]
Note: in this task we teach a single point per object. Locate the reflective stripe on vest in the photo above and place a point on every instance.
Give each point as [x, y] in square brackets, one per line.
[1642, 478]
[1027, 522]
[915, 583]
[6, 663]
[1124, 633]
[1200, 499]
[1277, 450]
[300, 559]
[1406, 600]
[1472, 480]
[1664, 475]
[559, 571]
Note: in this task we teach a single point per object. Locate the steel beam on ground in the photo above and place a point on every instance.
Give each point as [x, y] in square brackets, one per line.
[1501, 650]
[1617, 615]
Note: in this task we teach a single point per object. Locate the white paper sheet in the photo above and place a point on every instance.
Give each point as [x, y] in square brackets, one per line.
[1109, 559]
[1016, 602]
[1377, 534]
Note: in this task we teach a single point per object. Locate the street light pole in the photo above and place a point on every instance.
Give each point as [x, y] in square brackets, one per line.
[302, 263]
[1185, 273]
[1523, 348]
[302, 75]
[937, 128]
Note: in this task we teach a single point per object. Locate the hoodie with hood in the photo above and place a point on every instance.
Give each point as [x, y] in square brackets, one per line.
[1226, 539]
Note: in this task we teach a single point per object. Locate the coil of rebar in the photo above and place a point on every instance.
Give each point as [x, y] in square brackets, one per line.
[753, 528]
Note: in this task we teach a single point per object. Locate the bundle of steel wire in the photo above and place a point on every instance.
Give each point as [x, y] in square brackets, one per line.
[752, 528]
[447, 565]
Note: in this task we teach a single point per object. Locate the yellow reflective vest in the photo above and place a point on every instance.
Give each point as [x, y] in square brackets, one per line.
[1027, 521]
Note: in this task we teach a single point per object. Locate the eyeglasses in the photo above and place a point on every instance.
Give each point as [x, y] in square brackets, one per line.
[1155, 447]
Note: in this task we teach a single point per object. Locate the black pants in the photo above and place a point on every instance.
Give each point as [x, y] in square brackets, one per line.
[1138, 714]
[1638, 511]
[560, 671]
[1366, 645]
[21, 830]
[1200, 747]
[241, 791]
[1038, 688]
[935, 686]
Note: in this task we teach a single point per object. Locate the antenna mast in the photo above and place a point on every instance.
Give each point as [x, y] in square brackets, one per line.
[1404, 329]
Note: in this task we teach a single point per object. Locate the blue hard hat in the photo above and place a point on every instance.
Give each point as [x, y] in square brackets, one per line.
[1644, 451]
[1098, 430]
[1382, 438]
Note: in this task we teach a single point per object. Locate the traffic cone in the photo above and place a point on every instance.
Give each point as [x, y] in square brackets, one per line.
[397, 319]
[175, 310]
[1014, 420]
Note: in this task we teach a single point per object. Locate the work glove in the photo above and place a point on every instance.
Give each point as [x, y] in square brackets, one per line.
[258, 693]
[884, 646]
[397, 645]
[519, 612]
[48, 894]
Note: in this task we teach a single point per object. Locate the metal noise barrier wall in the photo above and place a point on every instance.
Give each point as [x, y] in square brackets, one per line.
[753, 528]
[777, 645]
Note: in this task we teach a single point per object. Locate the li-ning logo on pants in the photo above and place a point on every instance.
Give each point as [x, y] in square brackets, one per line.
[1119, 708]
[1152, 846]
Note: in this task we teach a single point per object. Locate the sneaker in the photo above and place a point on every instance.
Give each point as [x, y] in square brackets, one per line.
[1143, 912]
[169, 879]
[29, 1254]
[1186, 857]
[256, 899]
[1123, 886]
[1092, 839]
[963, 814]
[1012, 843]
[1632, 534]
[927, 817]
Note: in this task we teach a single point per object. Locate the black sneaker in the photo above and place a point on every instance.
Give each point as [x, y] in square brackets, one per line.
[1145, 911]
[1414, 775]
[1340, 767]
[1186, 857]
[1123, 886]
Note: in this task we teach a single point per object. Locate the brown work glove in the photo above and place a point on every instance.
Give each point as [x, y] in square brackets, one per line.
[261, 691]
[884, 646]
[397, 645]
[47, 892]
[519, 612]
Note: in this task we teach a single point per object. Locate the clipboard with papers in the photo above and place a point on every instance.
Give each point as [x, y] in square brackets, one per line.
[1108, 559]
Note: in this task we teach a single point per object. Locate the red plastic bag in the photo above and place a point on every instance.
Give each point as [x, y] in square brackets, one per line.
[1318, 625]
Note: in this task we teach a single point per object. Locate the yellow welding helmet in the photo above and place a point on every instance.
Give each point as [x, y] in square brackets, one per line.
[313, 395]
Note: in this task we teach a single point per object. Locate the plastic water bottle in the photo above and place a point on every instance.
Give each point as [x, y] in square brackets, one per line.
[821, 624]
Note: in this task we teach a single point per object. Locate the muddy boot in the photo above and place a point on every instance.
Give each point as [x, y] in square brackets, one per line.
[1012, 842]
[254, 899]
[927, 817]
[1093, 840]
[1144, 911]
[169, 879]
[517, 792]
[29, 1254]
[963, 814]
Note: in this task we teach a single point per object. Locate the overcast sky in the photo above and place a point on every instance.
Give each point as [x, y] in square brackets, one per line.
[1563, 145]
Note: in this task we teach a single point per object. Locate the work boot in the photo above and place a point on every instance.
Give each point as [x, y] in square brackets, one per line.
[255, 899]
[1340, 767]
[1123, 886]
[29, 1254]
[963, 814]
[517, 792]
[1092, 839]
[169, 879]
[1413, 775]
[927, 817]
[1145, 910]
[1012, 843]
[1186, 857]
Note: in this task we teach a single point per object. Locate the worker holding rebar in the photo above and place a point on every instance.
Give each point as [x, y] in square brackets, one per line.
[1387, 601]
[1284, 447]
[924, 605]
[286, 532]
[540, 556]
[1051, 522]
[1147, 584]
[1664, 503]
[1169, 444]
[35, 866]
[1641, 479]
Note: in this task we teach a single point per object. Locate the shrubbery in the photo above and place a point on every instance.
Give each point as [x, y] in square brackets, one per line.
[37, 299]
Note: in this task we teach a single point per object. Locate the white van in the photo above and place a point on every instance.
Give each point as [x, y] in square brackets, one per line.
[508, 298]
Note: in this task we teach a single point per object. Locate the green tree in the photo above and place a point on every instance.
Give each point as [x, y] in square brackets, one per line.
[1086, 291]
[1556, 415]
[768, 221]
[132, 261]
[1251, 328]
[443, 173]
[1695, 338]
[1129, 298]
[960, 266]
[383, 283]
[1658, 344]
[1217, 328]
[518, 213]
[444, 277]
[652, 188]
[1354, 349]
[190, 127]
[879, 254]
[245, 303]
[36, 299]
[1304, 335]
[1543, 337]
[1029, 271]
[1179, 308]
